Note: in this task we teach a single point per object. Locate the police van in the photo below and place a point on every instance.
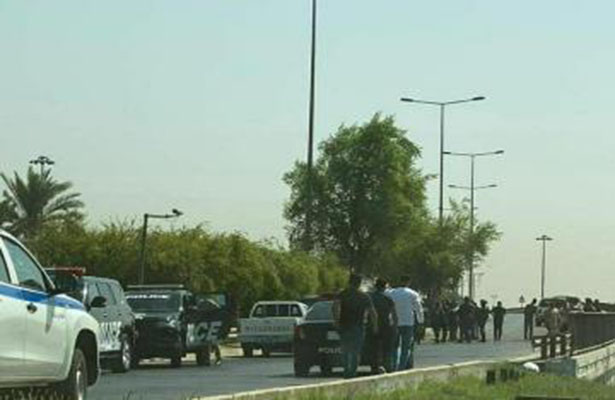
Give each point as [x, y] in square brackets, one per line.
[46, 337]
[104, 299]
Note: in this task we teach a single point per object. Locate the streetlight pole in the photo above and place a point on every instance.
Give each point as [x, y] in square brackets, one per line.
[310, 155]
[174, 214]
[442, 105]
[472, 188]
[544, 239]
[42, 161]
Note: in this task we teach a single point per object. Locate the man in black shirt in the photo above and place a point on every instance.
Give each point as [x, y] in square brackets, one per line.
[498, 320]
[349, 310]
[466, 320]
[384, 341]
[482, 315]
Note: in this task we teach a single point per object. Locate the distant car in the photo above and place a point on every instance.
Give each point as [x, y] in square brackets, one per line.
[317, 342]
[172, 321]
[270, 326]
[563, 303]
[118, 333]
[46, 337]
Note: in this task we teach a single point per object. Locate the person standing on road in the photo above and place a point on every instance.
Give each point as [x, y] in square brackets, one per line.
[453, 320]
[553, 320]
[439, 322]
[528, 321]
[408, 307]
[384, 340]
[498, 321]
[349, 311]
[466, 320]
[482, 315]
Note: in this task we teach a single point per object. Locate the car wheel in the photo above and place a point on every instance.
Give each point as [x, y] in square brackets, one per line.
[326, 370]
[134, 362]
[301, 370]
[266, 352]
[203, 356]
[176, 361]
[75, 386]
[124, 360]
[248, 351]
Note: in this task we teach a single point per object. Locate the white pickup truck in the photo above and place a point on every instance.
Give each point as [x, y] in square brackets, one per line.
[46, 338]
[270, 327]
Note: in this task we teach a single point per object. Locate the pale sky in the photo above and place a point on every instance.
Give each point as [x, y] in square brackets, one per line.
[202, 105]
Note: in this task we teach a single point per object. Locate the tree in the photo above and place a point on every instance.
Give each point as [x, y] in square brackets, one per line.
[367, 194]
[39, 199]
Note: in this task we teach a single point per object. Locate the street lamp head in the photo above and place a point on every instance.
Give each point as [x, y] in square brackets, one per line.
[407, 99]
[499, 152]
[177, 212]
[478, 98]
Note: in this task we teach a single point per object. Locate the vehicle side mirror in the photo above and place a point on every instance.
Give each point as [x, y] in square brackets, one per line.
[98, 302]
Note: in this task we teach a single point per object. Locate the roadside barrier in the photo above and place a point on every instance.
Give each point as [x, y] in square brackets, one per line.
[591, 328]
[379, 384]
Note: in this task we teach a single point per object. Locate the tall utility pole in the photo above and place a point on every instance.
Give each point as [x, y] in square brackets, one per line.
[310, 155]
[442, 105]
[42, 161]
[472, 188]
[544, 239]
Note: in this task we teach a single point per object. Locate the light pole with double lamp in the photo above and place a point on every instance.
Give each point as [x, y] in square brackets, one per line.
[42, 161]
[544, 239]
[174, 214]
[442, 105]
[472, 188]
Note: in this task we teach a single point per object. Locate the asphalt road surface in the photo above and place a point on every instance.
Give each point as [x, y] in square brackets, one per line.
[157, 381]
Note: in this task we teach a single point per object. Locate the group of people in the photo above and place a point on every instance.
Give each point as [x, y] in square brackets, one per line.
[465, 322]
[390, 317]
[387, 318]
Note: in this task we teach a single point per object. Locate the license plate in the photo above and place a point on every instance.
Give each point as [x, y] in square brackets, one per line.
[329, 350]
[332, 335]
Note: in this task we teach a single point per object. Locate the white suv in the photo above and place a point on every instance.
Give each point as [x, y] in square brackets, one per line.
[46, 338]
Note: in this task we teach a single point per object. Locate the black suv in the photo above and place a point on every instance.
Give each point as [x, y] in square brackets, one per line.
[104, 299]
[172, 321]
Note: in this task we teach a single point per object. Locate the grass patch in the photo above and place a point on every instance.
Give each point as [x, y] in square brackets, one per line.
[468, 388]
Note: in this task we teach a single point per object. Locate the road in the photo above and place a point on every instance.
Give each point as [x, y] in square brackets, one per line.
[156, 381]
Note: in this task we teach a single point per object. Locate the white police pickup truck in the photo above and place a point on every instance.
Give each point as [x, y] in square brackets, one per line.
[46, 338]
[270, 327]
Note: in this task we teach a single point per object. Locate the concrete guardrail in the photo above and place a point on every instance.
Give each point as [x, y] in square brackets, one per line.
[377, 384]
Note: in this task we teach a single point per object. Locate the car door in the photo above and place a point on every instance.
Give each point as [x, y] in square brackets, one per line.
[110, 329]
[45, 337]
[12, 326]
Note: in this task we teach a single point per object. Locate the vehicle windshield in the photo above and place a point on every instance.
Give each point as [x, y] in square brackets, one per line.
[153, 301]
[321, 311]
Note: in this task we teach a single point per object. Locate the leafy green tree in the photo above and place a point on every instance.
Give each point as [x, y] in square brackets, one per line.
[367, 194]
[39, 199]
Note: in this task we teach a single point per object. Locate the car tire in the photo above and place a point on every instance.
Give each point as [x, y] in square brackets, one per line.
[176, 362]
[248, 351]
[124, 362]
[326, 370]
[301, 370]
[266, 352]
[203, 356]
[75, 387]
[134, 362]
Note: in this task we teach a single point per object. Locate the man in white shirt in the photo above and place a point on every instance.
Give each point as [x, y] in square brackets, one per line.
[408, 307]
